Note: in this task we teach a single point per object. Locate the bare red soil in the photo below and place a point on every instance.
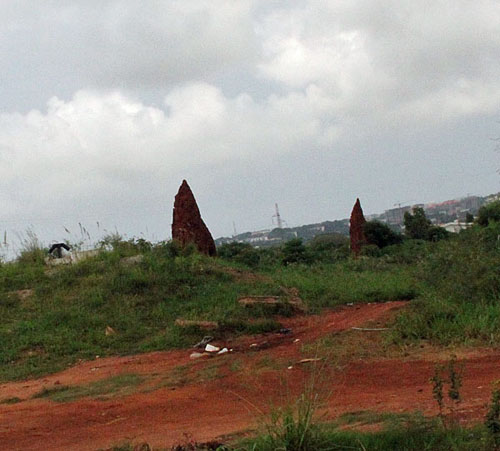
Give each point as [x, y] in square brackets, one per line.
[228, 394]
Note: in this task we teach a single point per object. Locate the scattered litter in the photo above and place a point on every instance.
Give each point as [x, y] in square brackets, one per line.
[94, 369]
[207, 339]
[285, 331]
[223, 351]
[370, 329]
[317, 359]
[196, 355]
[296, 340]
[253, 345]
[290, 367]
[97, 356]
[210, 348]
[109, 331]
[350, 303]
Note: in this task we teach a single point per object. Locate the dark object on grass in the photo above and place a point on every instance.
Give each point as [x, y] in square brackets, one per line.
[285, 331]
[187, 226]
[56, 249]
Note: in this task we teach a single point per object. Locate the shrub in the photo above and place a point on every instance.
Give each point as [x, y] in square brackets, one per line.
[380, 234]
[329, 248]
[295, 252]
[416, 225]
[492, 420]
[240, 252]
[489, 213]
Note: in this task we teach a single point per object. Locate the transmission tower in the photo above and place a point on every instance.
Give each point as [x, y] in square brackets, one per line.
[278, 217]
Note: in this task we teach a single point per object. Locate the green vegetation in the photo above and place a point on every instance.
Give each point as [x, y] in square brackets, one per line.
[417, 226]
[380, 234]
[296, 427]
[53, 316]
[489, 213]
[66, 315]
[461, 291]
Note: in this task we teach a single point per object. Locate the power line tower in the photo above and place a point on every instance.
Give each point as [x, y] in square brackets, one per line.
[279, 221]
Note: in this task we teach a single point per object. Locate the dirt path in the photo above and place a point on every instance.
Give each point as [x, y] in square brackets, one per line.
[210, 398]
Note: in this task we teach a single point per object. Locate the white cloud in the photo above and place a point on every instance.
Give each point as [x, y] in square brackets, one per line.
[261, 93]
[99, 146]
[379, 58]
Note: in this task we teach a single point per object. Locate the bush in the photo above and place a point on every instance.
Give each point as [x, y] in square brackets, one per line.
[241, 253]
[416, 225]
[462, 291]
[489, 213]
[329, 248]
[295, 252]
[380, 234]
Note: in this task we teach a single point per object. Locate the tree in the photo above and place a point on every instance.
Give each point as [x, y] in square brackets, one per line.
[381, 234]
[417, 225]
[488, 213]
[436, 233]
[295, 252]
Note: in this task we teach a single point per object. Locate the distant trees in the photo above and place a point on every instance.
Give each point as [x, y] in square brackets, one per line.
[419, 227]
[294, 251]
[240, 252]
[488, 213]
[381, 234]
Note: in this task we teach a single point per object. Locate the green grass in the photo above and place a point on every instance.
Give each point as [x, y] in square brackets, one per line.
[460, 302]
[411, 432]
[329, 285]
[65, 318]
[102, 389]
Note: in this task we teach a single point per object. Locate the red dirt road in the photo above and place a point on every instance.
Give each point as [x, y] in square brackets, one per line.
[225, 394]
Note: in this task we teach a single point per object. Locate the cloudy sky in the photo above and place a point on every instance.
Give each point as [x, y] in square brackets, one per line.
[106, 105]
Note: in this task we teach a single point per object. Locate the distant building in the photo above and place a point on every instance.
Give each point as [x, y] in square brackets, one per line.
[455, 226]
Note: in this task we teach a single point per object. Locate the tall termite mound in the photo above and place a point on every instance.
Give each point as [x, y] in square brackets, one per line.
[187, 226]
[356, 229]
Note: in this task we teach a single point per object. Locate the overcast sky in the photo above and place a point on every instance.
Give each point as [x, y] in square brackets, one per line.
[106, 105]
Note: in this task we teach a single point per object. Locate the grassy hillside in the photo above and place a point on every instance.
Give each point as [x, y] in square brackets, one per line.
[65, 312]
[53, 316]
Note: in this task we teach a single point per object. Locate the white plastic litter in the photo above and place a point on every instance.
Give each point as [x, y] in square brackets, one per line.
[210, 348]
[223, 351]
[196, 355]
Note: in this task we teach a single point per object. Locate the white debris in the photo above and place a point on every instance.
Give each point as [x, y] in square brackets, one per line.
[196, 355]
[223, 351]
[210, 348]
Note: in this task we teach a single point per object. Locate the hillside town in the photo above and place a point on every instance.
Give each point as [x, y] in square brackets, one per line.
[453, 215]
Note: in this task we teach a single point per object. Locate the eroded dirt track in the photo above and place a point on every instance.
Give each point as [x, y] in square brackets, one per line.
[227, 394]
